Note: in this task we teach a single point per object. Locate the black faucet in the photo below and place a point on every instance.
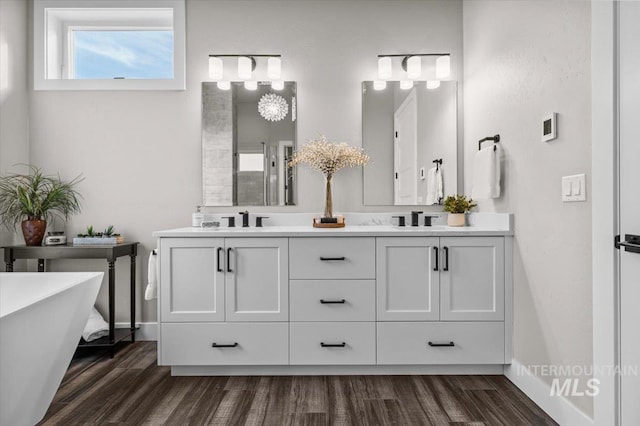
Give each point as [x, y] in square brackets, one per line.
[245, 218]
[427, 220]
[400, 220]
[414, 218]
[232, 221]
[259, 221]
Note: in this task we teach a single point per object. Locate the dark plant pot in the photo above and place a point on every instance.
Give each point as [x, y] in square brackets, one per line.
[33, 231]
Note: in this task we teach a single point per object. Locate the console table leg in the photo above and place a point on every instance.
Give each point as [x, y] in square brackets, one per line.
[40, 265]
[133, 298]
[112, 303]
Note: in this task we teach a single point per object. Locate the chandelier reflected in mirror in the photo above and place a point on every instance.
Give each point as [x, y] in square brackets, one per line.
[273, 107]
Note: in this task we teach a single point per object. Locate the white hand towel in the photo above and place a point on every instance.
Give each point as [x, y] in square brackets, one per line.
[96, 326]
[486, 173]
[434, 186]
[151, 292]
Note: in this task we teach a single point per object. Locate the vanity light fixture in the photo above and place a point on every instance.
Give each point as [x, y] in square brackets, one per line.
[384, 68]
[277, 84]
[443, 67]
[433, 84]
[379, 84]
[224, 85]
[406, 84]
[246, 66]
[251, 85]
[215, 68]
[412, 64]
[274, 68]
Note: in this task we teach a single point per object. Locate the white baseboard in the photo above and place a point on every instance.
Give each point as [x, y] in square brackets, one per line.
[558, 407]
[334, 370]
[147, 330]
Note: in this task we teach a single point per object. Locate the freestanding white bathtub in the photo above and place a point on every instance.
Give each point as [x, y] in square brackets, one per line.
[42, 316]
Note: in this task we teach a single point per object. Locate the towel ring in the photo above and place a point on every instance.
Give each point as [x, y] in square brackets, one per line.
[495, 139]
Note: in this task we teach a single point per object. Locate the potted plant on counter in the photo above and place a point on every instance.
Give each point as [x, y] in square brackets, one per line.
[33, 198]
[91, 237]
[458, 206]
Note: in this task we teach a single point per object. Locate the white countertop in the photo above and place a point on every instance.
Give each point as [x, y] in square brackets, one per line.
[364, 225]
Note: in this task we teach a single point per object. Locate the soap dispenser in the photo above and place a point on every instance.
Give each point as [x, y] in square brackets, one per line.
[197, 218]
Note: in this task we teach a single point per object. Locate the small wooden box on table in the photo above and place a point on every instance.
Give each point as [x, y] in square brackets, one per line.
[69, 251]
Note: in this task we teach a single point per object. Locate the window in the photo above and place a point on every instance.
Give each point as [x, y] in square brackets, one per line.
[109, 45]
[250, 162]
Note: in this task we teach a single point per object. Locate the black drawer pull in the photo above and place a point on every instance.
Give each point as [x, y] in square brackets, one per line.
[232, 345]
[218, 258]
[332, 258]
[229, 260]
[446, 259]
[333, 345]
[435, 250]
[330, 302]
[438, 345]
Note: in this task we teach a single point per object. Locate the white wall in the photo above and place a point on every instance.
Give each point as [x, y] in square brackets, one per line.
[14, 110]
[140, 151]
[522, 60]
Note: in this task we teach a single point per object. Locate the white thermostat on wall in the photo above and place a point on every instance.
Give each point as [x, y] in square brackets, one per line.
[549, 127]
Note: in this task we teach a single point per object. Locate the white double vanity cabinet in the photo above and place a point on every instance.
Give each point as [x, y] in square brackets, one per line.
[364, 299]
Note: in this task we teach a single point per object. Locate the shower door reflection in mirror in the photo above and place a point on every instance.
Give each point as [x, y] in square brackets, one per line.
[404, 131]
[248, 137]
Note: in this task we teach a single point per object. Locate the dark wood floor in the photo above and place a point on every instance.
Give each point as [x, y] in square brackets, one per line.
[131, 389]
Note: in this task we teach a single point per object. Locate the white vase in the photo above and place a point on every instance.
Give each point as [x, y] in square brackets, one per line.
[456, 219]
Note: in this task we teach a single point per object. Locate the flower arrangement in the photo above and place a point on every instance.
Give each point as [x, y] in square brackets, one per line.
[328, 157]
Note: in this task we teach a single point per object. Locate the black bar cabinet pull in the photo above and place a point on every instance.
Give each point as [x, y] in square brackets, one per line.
[231, 345]
[438, 345]
[332, 258]
[631, 243]
[333, 345]
[229, 260]
[446, 259]
[218, 258]
[329, 302]
[435, 250]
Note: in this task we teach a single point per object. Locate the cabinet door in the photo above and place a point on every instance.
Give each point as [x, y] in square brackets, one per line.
[472, 279]
[257, 279]
[191, 279]
[407, 279]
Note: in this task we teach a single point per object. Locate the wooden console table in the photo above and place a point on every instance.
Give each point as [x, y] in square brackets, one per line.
[69, 251]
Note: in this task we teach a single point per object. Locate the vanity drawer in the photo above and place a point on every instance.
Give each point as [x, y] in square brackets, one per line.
[335, 343]
[408, 343]
[329, 258]
[252, 343]
[332, 300]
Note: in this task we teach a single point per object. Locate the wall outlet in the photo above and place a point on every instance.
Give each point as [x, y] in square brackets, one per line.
[574, 188]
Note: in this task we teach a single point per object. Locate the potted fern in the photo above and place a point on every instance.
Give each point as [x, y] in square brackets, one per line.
[458, 206]
[33, 198]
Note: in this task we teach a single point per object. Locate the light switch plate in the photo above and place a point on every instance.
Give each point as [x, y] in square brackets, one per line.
[549, 130]
[574, 188]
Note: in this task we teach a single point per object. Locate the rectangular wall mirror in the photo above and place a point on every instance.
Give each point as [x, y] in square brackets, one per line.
[248, 137]
[404, 131]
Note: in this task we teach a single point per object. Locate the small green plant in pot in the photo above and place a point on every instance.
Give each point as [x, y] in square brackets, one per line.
[33, 198]
[457, 206]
